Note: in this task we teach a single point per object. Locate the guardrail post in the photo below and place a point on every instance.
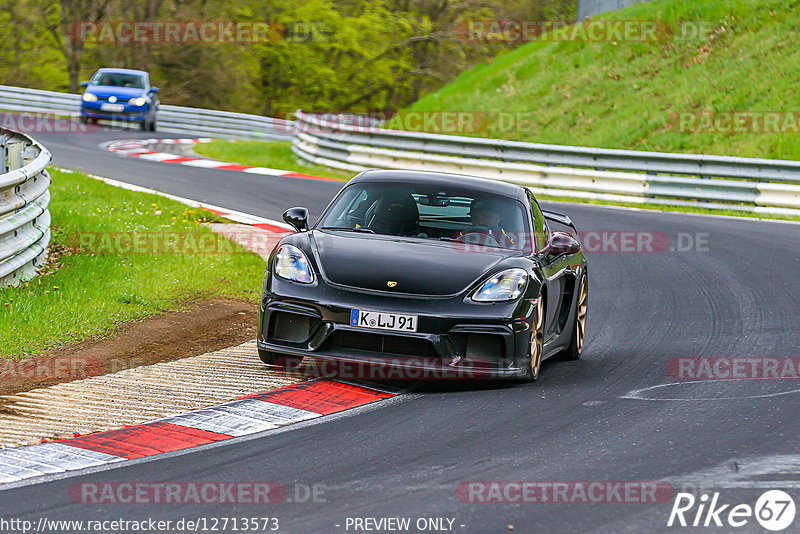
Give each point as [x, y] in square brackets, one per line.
[14, 155]
[28, 155]
[4, 153]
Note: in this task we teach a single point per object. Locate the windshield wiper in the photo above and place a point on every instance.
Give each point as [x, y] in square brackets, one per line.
[347, 229]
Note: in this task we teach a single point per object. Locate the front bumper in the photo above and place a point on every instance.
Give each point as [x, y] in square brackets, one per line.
[129, 112]
[455, 338]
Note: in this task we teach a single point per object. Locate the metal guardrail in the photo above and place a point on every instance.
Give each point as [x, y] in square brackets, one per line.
[177, 119]
[714, 182]
[24, 201]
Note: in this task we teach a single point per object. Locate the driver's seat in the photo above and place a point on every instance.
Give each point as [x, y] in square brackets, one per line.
[396, 214]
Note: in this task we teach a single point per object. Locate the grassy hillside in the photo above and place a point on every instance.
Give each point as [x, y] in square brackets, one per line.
[746, 58]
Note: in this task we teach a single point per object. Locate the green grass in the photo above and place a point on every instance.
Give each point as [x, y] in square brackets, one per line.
[632, 94]
[272, 154]
[99, 285]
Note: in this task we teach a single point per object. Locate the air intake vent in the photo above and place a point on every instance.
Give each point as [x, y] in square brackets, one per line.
[291, 327]
[479, 346]
[382, 343]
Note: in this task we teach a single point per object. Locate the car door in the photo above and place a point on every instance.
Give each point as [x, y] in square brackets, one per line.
[554, 269]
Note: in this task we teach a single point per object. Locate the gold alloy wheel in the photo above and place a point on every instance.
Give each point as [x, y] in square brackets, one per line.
[583, 307]
[537, 339]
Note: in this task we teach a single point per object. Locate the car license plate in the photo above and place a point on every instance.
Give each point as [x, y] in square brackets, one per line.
[384, 321]
[112, 107]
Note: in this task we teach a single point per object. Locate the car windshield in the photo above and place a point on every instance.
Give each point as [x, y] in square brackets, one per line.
[118, 79]
[430, 212]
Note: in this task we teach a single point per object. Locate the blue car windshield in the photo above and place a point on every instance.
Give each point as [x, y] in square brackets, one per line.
[116, 79]
[428, 211]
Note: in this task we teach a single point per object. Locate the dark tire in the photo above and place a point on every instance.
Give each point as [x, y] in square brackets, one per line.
[573, 352]
[278, 359]
[83, 119]
[145, 125]
[537, 343]
[153, 125]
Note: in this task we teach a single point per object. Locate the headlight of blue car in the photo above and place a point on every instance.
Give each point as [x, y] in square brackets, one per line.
[89, 97]
[141, 101]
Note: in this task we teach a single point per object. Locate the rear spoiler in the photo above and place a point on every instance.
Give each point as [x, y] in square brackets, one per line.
[559, 218]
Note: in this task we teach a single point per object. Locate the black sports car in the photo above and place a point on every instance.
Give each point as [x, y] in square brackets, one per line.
[430, 274]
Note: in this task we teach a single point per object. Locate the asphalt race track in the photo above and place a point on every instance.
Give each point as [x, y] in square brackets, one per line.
[598, 419]
[255, 194]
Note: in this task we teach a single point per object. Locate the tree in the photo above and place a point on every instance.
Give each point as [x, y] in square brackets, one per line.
[63, 21]
[27, 58]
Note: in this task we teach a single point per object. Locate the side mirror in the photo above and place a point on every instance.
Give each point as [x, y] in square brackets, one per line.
[563, 243]
[154, 89]
[84, 84]
[297, 217]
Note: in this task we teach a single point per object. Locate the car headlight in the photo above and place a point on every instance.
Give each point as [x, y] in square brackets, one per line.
[141, 101]
[505, 285]
[292, 264]
[89, 97]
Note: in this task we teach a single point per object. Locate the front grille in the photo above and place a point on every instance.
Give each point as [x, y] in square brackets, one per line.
[115, 114]
[291, 327]
[479, 346]
[382, 343]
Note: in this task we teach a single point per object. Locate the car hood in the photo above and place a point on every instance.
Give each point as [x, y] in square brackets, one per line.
[418, 267]
[122, 93]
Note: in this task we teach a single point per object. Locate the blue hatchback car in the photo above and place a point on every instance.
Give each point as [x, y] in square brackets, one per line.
[120, 95]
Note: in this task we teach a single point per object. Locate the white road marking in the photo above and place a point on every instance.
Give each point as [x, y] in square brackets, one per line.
[639, 394]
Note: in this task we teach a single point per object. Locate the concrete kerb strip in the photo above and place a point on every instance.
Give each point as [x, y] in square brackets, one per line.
[248, 415]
